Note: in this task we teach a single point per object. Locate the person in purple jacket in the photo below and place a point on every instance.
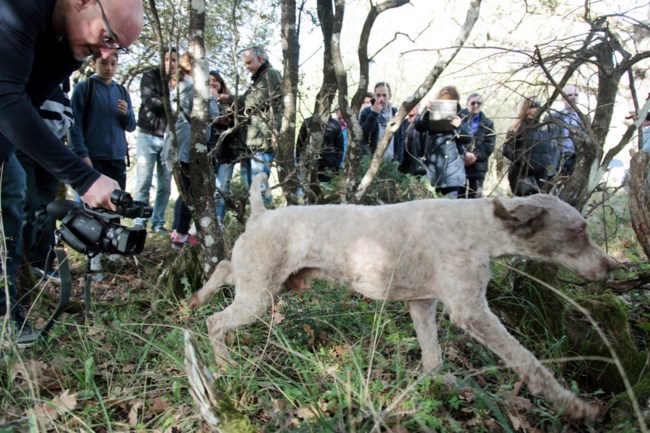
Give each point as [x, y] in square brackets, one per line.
[41, 43]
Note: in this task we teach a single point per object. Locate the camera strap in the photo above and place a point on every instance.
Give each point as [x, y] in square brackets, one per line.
[66, 285]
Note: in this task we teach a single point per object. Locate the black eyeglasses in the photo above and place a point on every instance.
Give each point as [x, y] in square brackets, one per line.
[477, 103]
[110, 41]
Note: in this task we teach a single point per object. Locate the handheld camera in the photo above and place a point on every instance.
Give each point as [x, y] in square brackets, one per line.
[94, 231]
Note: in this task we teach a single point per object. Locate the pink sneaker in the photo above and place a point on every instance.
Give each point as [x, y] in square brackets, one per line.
[179, 240]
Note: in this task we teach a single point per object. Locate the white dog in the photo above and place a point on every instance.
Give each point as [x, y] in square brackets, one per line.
[421, 252]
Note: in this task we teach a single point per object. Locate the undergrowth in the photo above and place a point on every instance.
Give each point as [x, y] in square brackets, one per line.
[326, 361]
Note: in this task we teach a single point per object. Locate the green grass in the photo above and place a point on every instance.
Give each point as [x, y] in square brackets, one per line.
[325, 361]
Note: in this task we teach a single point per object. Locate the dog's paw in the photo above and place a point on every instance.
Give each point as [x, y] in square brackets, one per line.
[578, 409]
[195, 301]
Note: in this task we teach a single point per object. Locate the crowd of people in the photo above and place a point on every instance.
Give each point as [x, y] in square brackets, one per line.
[81, 140]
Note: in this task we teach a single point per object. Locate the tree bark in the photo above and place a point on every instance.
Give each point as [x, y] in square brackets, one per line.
[202, 172]
[639, 195]
[291, 54]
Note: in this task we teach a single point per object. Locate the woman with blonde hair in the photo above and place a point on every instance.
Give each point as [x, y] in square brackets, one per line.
[530, 148]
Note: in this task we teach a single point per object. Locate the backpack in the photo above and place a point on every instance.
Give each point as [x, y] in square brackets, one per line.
[90, 99]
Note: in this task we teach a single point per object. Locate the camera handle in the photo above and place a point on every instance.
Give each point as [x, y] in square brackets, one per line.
[66, 284]
[88, 279]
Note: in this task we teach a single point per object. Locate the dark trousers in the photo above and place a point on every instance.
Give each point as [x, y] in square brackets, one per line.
[182, 214]
[39, 226]
[113, 168]
[12, 191]
[472, 189]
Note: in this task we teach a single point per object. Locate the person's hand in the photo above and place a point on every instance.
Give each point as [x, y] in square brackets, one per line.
[469, 158]
[456, 121]
[122, 106]
[377, 106]
[99, 193]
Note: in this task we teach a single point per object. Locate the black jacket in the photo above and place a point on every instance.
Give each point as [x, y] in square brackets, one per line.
[34, 62]
[482, 145]
[369, 121]
[331, 152]
[151, 117]
[414, 142]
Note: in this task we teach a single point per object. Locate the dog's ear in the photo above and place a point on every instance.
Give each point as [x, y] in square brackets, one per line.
[524, 218]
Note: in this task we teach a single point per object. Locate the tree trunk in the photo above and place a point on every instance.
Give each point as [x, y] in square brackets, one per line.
[291, 53]
[202, 172]
[639, 195]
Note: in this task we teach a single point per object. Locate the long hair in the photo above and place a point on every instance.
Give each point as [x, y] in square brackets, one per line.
[184, 64]
[217, 76]
[526, 104]
[183, 68]
[450, 93]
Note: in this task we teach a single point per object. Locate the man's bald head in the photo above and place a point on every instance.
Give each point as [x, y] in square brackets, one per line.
[126, 18]
[98, 26]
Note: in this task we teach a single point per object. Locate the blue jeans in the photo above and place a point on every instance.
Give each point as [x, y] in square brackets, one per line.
[224, 175]
[12, 190]
[149, 155]
[260, 162]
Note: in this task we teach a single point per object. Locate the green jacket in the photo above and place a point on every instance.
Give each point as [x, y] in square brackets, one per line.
[262, 107]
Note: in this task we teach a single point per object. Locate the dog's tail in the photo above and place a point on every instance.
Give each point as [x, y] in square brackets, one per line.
[256, 197]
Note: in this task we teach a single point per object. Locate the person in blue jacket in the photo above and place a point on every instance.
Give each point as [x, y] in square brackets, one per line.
[41, 44]
[98, 135]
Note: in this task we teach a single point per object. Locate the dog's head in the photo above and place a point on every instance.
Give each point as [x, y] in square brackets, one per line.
[548, 229]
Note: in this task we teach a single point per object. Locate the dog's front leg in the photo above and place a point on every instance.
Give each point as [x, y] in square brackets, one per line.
[423, 314]
[475, 318]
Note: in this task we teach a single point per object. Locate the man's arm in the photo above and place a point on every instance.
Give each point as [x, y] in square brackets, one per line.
[22, 24]
[489, 141]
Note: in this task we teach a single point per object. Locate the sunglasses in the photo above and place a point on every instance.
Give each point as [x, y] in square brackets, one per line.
[110, 40]
[476, 103]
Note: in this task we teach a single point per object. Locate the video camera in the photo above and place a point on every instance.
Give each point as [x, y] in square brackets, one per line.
[93, 231]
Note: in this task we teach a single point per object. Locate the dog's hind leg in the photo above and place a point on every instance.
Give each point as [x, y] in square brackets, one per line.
[252, 301]
[222, 276]
[475, 318]
[423, 314]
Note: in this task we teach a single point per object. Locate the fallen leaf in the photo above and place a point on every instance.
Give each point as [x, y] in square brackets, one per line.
[65, 402]
[128, 368]
[133, 412]
[159, 404]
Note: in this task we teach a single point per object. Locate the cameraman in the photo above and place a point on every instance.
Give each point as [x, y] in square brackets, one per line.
[41, 44]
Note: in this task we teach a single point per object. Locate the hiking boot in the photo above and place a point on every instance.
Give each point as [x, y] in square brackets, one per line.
[26, 335]
[51, 275]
